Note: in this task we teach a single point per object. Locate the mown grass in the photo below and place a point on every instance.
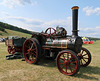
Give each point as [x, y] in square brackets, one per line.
[46, 70]
[13, 33]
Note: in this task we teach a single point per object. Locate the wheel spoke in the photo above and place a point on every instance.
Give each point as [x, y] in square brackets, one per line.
[34, 54]
[64, 56]
[67, 56]
[26, 46]
[73, 62]
[84, 60]
[84, 54]
[63, 66]
[50, 31]
[70, 58]
[81, 62]
[82, 51]
[31, 45]
[62, 63]
[66, 69]
[70, 68]
[33, 49]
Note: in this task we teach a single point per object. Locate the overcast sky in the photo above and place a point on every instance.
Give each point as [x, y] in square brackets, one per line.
[37, 15]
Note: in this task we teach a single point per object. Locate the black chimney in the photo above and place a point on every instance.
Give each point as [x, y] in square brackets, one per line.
[75, 20]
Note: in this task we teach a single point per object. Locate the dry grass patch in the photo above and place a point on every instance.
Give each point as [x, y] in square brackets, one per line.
[46, 70]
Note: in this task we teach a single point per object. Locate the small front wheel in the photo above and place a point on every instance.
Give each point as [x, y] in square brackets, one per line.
[85, 57]
[68, 63]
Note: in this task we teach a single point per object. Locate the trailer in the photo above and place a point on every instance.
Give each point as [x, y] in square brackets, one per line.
[15, 46]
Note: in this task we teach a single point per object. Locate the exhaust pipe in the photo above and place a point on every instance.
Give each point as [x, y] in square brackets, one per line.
[75, 21]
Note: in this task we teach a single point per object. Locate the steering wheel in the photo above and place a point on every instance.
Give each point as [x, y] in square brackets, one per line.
[50, 31]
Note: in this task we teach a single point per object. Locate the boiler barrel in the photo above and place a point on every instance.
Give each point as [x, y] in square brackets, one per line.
[73, 43]
[57, 43]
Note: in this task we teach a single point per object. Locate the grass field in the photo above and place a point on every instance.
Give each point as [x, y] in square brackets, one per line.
[13, 33]
[46, 70]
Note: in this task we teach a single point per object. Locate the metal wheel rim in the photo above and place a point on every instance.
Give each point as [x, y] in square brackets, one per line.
[65, 70]
[30, 51]
[11, 50]
[84, 57]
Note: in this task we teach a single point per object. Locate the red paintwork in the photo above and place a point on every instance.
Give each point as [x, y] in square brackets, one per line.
[91, 42]
[30, 51]
[50, 33]
[12, 50]
[88, 42]
[67, 63]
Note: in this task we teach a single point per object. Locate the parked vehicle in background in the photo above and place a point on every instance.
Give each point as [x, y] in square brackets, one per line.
[2, 39]
[87, 41]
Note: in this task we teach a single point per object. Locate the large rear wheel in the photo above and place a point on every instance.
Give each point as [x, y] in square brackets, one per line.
[68, 63]
[31, 50]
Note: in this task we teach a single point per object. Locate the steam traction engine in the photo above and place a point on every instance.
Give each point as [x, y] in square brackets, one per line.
[69, 51]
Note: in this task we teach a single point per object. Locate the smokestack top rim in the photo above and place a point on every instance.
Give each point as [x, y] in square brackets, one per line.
[75, 7]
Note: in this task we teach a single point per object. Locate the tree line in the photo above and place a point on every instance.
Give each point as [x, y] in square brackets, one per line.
[2, 29]
[4, 26]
